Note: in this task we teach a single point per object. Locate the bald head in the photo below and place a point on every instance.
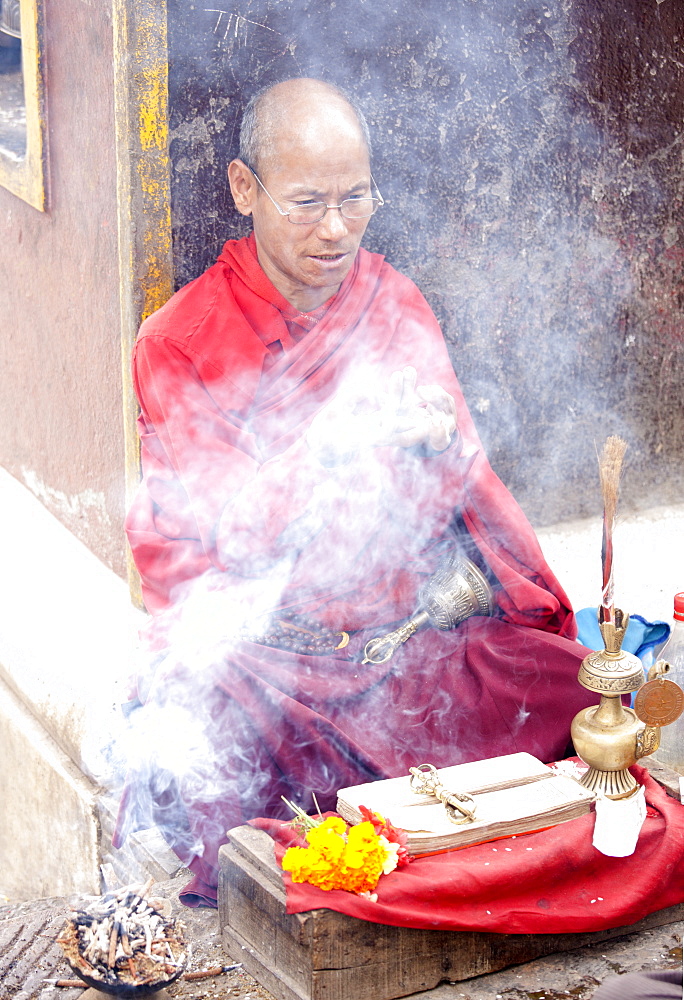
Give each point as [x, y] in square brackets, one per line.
[295, 112]
[303, 144]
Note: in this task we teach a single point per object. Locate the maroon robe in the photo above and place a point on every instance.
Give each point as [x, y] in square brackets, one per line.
[235, 515]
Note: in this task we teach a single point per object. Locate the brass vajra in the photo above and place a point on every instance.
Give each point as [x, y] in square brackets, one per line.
[425, 781]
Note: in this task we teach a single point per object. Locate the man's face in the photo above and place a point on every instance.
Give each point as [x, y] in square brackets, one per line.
[307, 263]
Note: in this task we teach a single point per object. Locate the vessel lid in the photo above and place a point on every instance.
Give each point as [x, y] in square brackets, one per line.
[679, 607]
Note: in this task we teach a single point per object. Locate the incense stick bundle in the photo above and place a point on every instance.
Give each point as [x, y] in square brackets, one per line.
[121, 941]
[610, 468]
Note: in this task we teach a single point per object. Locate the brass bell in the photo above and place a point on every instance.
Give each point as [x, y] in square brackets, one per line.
[455, 592]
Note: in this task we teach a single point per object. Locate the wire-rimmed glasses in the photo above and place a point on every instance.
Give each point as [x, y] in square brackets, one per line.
[313, 211]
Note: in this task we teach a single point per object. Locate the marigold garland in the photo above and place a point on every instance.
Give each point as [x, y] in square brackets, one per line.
[351, 858]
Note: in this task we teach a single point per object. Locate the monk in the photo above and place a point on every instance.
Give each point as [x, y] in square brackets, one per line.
[308, 463]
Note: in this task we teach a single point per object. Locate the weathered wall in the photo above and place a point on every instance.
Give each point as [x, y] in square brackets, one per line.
[60, 369]
[530, 154]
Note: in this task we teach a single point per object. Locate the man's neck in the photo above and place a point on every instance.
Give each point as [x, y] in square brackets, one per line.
[308, 300]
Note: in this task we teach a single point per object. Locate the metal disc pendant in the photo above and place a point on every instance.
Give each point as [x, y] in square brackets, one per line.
[659, 702]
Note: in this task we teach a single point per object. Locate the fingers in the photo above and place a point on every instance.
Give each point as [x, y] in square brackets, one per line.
[425, 425]
[394, 392]
[442, 411]
[411, 437]
[410, 415]
[442, 427]
[414, 415]
[437, 397]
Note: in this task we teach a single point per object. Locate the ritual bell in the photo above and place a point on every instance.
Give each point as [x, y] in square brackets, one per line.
[455, 592]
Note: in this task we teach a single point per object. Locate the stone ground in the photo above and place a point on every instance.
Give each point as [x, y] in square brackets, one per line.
[648, 564]
[29, 956]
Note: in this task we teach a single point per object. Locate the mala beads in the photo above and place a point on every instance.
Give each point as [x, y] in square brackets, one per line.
[298, 634]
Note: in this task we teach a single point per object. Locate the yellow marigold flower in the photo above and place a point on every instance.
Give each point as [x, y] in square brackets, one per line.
[334, 823]
[327, 839]
[353, 862]
[362, 834]
[328, 829]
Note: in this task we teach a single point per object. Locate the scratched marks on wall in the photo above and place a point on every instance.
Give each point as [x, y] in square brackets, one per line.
[236, 25]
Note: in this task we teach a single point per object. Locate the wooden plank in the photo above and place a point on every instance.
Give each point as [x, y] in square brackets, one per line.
[281, 941]
[409, 973]
[259, 849]
[338, 945]
[276, 981]
[242, 886]
[463, 955]
[338, 941]
[143, 196]
[404, 976]
[664, 775]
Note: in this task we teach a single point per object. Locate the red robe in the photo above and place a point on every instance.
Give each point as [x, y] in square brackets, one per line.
[235, 514]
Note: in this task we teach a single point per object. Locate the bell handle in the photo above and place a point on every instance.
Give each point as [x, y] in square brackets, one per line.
[382, 649]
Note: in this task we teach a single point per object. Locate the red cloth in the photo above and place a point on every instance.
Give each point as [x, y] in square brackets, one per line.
[235, 511]
[551, 882]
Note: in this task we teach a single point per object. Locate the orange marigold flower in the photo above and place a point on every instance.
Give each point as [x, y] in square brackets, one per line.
[393, 834]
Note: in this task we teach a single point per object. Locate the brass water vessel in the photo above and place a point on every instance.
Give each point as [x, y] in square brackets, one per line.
[609, 736]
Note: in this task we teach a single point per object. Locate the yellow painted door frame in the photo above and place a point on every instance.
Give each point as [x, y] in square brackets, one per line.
[143, 194]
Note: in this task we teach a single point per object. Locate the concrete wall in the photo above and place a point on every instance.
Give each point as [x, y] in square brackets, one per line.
[60, 349]
[530, 154]
[73, 282]
[66, 640]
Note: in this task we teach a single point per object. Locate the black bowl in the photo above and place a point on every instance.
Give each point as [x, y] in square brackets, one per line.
[128, 991]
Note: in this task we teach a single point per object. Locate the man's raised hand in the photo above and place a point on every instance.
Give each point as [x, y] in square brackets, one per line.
[416, 414]
[409, 415]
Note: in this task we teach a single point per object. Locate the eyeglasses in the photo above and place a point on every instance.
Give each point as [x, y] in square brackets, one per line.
[314, 211]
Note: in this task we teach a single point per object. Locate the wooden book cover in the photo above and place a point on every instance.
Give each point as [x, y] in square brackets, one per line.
[513, 794]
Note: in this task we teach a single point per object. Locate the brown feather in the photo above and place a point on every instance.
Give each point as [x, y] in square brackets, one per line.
[610, 469]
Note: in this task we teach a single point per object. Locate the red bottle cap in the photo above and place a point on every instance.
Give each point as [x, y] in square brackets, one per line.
[679, 607]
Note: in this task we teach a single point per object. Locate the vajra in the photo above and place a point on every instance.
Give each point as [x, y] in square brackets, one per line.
[425, 781]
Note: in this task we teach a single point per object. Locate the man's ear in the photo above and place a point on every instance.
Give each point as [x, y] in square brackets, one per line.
[242, 186]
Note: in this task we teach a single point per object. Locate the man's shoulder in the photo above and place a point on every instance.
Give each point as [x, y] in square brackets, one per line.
[188, 308]
[202, 328]
[393, 284]
[206, 303]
